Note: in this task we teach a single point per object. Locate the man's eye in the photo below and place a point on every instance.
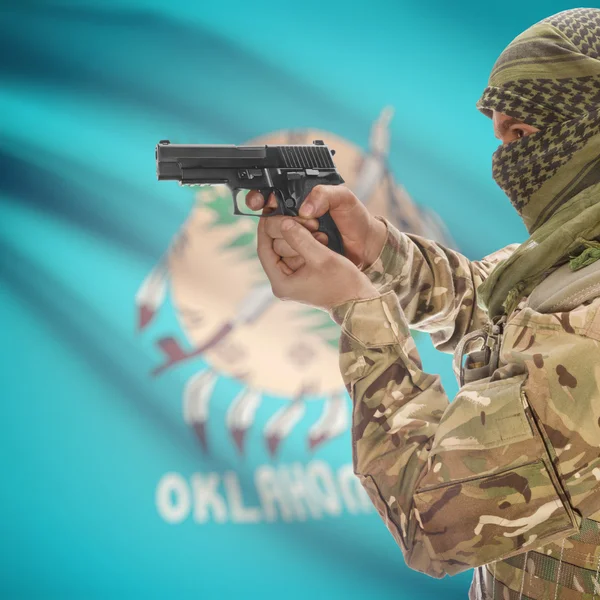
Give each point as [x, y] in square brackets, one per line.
[519, 133]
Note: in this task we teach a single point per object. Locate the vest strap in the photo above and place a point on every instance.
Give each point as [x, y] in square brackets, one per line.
[484, 587]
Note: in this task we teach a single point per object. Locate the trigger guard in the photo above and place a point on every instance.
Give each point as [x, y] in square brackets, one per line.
[234, 195]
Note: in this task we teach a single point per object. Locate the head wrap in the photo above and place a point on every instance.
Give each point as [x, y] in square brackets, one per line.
[548, 77]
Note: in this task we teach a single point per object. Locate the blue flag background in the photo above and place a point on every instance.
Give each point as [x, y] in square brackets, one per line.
[108, 489]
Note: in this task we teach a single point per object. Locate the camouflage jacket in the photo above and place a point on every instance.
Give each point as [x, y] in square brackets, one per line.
[513, 462]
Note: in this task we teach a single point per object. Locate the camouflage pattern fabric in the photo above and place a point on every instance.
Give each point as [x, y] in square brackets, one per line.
[512, 465]
[548, 77]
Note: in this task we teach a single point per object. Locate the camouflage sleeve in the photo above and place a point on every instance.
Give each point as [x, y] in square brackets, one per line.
[435, 285]
[466, 483]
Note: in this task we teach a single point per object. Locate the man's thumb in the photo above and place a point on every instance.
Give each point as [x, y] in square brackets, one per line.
[317, 202]
[301, 240]
[327, 198]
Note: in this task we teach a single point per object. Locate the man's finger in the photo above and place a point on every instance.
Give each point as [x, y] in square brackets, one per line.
[310, 224]
[285, 268]
[314, 205]
[294, 262]
[266, 255]
[273, 225]
[324, 198]
[302, 241]
[283, 249]
[321, 237]
[254, 200]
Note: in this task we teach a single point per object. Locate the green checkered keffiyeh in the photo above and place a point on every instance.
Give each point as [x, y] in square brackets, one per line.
[548, 77]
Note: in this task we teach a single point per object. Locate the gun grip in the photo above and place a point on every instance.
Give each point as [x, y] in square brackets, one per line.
[327, 225]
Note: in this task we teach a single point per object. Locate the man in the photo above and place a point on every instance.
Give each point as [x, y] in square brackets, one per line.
[506, 477]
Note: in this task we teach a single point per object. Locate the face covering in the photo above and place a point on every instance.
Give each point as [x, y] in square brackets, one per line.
[548, 77]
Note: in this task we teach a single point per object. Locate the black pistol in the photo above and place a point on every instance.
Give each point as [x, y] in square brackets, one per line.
[290, 172]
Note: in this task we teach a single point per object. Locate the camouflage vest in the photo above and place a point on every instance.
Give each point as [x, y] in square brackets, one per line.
[568, 570]
[561, 291]
[572, 564]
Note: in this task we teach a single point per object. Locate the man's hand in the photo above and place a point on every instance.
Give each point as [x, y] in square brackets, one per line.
[325, 278]
[363, 235]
